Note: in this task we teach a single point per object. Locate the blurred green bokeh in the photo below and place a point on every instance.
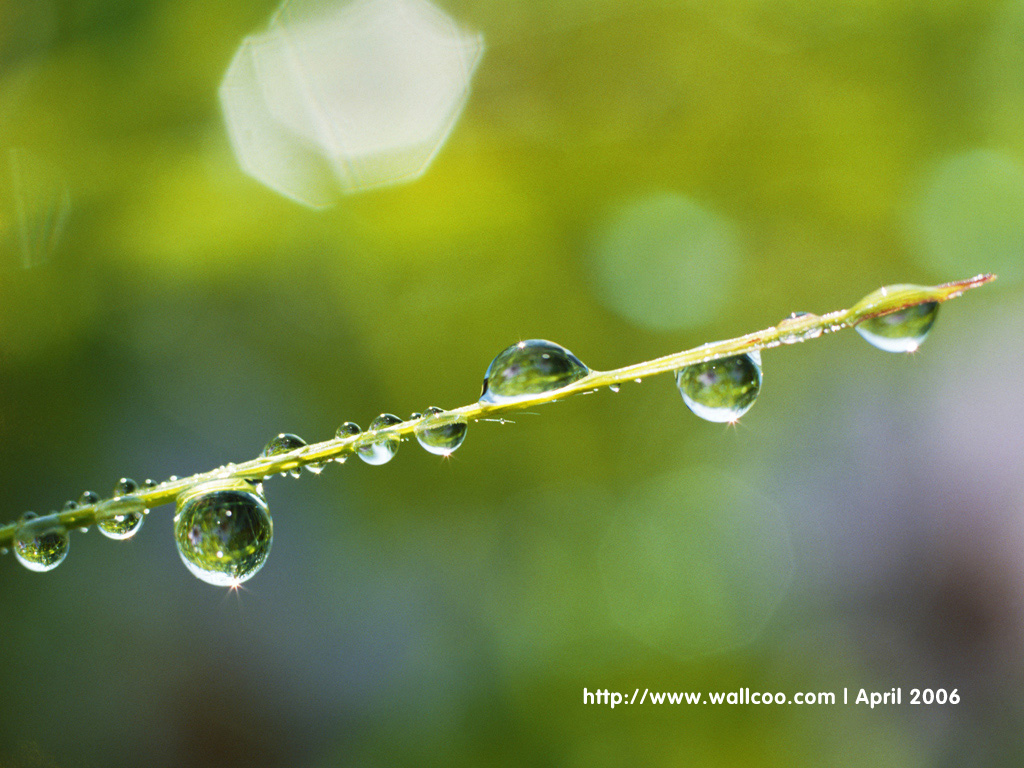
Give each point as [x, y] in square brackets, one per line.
[163, 313]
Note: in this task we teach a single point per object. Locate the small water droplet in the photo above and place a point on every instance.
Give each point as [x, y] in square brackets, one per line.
[415, 415]
[70, 506]
[797, 319]
[530, 368]
[901, 331]
[638, 381]
[220, 548]
[124, 487]
[40, 543]
[382, 450]
[4, 550]
[283, 443]
[614, 387]
[439, 434]
[348, 429]
[149, 484]
[87, 498]
[172, 479]
[127, 516]
[721, 390]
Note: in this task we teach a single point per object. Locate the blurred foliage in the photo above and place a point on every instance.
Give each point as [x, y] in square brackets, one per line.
[429, 611]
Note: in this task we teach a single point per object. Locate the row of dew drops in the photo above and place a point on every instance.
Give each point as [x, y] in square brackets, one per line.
[223, 529]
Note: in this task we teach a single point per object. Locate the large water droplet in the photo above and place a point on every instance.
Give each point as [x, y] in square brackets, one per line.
[440, 434]
[721, 390]
[223, 531]
[127, 517]
[382, 450]
[901, 331]
[530, 368]
[40, 543]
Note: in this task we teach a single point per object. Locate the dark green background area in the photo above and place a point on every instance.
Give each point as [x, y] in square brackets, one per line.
[860, 527]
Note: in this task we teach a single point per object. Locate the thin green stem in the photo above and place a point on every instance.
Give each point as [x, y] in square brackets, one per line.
[791, 330]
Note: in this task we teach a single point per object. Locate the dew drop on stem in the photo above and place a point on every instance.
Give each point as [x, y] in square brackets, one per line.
[439, 434]
[721, 390]
[223, 531]
[530, 368]
[901, 331]
[382, 449]
[40, 544]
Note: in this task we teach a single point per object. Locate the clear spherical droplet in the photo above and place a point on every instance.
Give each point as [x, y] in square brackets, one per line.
[41, 543]
[149, 484]
[283, 443]
[721, 390]
[439, 434]
[381, 450]
[87, 498]
[348, 429]
[223, 531]
[415, 415]
[901, 331]
[124, 487]
[127, 516]
[530, 368]
[70, 506]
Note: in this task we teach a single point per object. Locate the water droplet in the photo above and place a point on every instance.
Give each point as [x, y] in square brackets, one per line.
[796, 319]
[284, 443]
[3, 550]
[70, 506]
[441, 434]
[530, 368]
[127, 517]
[614, 387]
[125, 486]
[149, 485]
[223, 531]
[87, 498]
[348, 429]
[415, 415]
[901, 331]
[721, 390]
[380, 451]
[41, 543]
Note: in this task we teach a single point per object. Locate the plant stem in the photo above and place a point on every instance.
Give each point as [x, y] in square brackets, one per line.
[790, 330]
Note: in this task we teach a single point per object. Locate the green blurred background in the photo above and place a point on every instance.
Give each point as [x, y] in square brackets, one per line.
[628, 179]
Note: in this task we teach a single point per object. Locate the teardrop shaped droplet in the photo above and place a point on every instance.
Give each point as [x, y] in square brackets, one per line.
[381, 450]
[901, 331]
[530, 368]
[127, 516]
[223, 531]
[721, 390]
[41, 543]
[439, 434]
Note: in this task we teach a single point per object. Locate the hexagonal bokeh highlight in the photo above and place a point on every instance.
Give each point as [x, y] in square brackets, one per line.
[344, 97]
